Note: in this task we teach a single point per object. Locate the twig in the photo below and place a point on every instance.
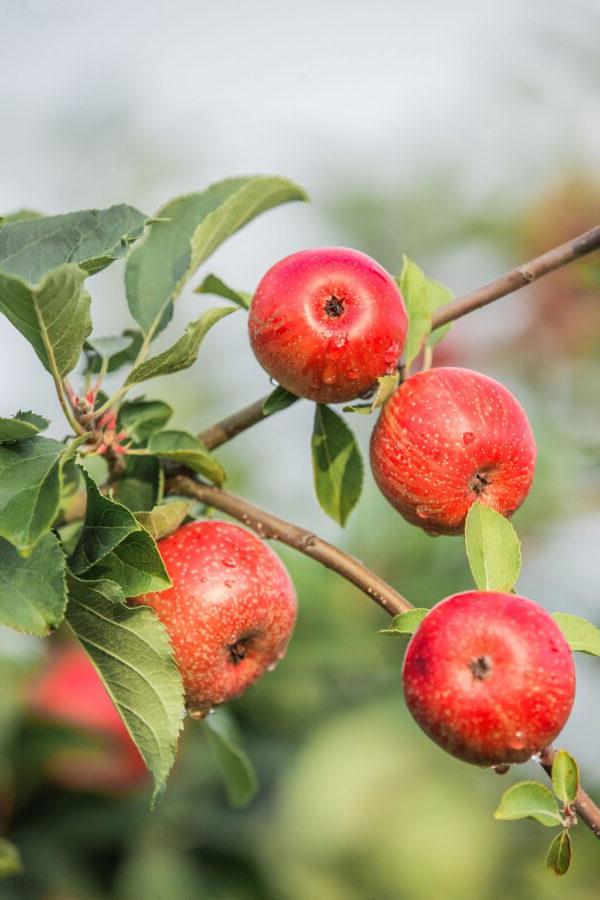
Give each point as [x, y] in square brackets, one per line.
[584, 806]
[269, 526]
[511, 281]
[517, 278]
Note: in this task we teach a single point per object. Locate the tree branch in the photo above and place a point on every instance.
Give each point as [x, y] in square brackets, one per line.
[517, 278]
[266, 525]
[506, 284]
[273, 528]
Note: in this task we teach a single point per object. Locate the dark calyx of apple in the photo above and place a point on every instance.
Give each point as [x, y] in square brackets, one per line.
[334, 307]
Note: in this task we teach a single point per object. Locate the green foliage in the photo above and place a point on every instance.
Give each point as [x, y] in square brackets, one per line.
[493, 549]
[529, 799]
[54, 316]
[565, 777]
[214, 285]
[22, 425]
[114, 546]
[558, 859]
[112, 352]
[406, 623]
[30, 479]
[580, 634]
[184, 352]
[141, 486]
[278, 400]
[133, 656]
[164, 519]
[184, 448]
[91, 239]
[337, 464]
[33, 595]
[386, 385]
[422, 296]
[10, 859]
[140, 418]
[198, 223]
[236, 769]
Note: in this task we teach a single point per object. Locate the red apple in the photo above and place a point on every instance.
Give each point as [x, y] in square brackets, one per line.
[230, 612]
[69, 692]
[489, 677]
[446, 438]
[326, 323]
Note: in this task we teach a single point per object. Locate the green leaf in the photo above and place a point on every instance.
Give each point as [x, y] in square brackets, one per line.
[114, 546]
[159, 268]
[337, 464]
[238, 772]
[33, 595]
[529, 799]
[565, 777]
[20, 215]
[386, 386]
[22, 425]
[10, 859]
[580, 634]
[164, 519]
[277, 401]
[406, 623]
[92, 239]
[117, 351]
[131, 651]
[30, 478]
[140, 418]
[54, 316]
[141, 486]
[493, 549]
[214, 285]
[187, 450]
[184, 352]
[422, 296]
[559, 853]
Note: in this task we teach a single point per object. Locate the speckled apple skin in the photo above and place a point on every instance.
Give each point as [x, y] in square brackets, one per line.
[317, 355]
[228, 590]
[523, 702]
[440, 433]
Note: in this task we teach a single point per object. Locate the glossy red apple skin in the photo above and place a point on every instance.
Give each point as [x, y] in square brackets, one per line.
[68, 691]
[489, 677]
[326, 323]
[230, 611]
[446, 438]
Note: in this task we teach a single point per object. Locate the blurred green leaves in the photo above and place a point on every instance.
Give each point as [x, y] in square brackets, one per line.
[33, 594]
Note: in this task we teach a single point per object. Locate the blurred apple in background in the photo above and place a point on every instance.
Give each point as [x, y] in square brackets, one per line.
[68, 692]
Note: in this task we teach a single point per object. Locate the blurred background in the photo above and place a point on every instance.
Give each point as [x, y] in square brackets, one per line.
[466, 135]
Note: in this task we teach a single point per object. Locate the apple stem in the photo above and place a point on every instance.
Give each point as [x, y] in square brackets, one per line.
[584, 806]
[523, 275]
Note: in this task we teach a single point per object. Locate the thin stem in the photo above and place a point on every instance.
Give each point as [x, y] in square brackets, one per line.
[266, 525]
[273, 528]
[120, 392]
[65, 405]
[584, 806]
[511, 281]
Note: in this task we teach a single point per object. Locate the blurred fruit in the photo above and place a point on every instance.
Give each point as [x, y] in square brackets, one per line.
[489, 677]
[446, 438]
[230, 612]
[326, 323]
[69, 692]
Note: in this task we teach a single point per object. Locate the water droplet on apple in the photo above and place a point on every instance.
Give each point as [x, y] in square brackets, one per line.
[421, 511]
[468, 437]
[227, 583]
[339, 341]
[391, 354]
[501, 769]
[271, 667]
[517, 742]
[229, 562]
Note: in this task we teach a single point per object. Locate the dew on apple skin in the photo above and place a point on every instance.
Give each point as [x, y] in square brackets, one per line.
[229, 562]
[329, 375]
[501, 769]
[468, 437]
[517, 742]
[228, 583]
[421, 511]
